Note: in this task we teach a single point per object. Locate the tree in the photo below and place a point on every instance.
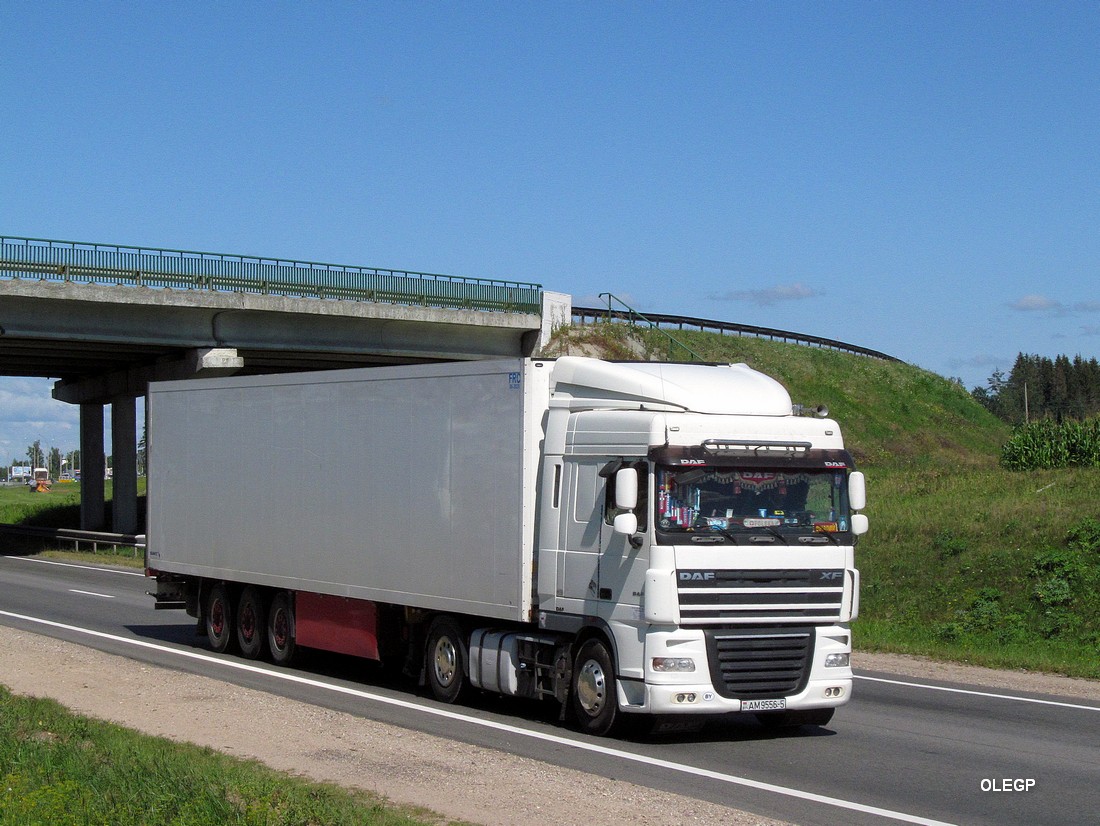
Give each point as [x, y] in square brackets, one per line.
[35, 454]
[1040, 387]
[55, 463]
[990, 397]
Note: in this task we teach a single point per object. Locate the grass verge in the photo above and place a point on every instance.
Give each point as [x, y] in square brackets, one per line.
[60, 508]
[60, 768]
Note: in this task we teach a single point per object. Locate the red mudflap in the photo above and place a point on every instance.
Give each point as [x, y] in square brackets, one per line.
[340, 624]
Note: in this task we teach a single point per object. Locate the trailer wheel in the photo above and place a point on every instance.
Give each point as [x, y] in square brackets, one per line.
[445, 660]
[250, 623]
[780, 720]
[593, 696]
[280, 629]
[219, 618]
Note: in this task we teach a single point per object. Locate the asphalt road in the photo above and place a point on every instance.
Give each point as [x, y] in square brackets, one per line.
[896, 753]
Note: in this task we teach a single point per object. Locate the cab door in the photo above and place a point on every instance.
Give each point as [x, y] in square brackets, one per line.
[623, 559]
[583, 529]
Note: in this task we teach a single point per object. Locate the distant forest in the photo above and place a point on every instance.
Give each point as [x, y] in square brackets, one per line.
[1043, 388]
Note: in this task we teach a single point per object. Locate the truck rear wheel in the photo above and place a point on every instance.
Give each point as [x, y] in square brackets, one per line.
[445, 660]
[219, 618]
[250, 623]
[593, 696]
[281, 643]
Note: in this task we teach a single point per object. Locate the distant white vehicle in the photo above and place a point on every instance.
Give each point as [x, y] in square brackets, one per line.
[40, 481]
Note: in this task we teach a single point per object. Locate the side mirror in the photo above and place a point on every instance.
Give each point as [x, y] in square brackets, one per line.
[626, 489]
[626, 523]
[860, 524]
[857, 491]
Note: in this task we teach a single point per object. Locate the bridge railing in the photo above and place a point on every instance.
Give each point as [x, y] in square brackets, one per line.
[184, 270]
[588, 315]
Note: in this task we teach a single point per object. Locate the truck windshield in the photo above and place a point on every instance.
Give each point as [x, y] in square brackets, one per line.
[730, 502]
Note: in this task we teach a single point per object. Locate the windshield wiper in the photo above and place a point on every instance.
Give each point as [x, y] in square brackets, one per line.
[774, 532]
[726, 532]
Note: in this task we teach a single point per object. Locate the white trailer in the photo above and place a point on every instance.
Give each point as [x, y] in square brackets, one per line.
[639, 538]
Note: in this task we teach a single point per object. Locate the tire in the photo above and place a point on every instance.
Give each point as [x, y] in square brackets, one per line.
[251, 623]
[593, 694]
[281, 644]
[445, 660]
[780, 720]
[219, 618]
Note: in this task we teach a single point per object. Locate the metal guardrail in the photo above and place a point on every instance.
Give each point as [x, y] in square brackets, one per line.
[93, 538]
[628, 313]
[585, 315]
[112, 264]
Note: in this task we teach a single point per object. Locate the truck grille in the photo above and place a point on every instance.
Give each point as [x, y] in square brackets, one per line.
[751, 596]
[760, 662]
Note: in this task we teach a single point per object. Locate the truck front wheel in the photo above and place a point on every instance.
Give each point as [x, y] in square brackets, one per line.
[219, 618]
[280, 629]
[445, 660]
[593, 696]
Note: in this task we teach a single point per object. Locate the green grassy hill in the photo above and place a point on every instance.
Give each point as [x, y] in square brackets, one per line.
[964, 560]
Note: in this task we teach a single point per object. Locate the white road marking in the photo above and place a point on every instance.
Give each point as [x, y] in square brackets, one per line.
[491, 724]
[90, 593]
[82, 567]
[978, 693]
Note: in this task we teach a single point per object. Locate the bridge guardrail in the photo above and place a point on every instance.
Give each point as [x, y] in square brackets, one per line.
[586, 315]
[186, 270]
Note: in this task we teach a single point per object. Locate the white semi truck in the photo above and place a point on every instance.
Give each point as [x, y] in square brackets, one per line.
[620, 538]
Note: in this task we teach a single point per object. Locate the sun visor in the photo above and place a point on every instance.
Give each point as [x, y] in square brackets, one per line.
[734, 389]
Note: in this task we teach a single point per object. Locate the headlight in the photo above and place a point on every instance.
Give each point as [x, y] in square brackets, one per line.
[673, 664]
[836, 660]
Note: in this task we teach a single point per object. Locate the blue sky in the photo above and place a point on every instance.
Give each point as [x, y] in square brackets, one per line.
[921, 178]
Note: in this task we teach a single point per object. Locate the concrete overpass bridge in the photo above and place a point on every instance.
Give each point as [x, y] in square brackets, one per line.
[105, 320]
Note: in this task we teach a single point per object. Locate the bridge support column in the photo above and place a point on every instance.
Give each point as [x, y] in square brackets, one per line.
[92, 463]
[124, 465]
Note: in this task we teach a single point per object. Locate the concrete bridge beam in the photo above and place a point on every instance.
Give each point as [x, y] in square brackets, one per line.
[201, 362]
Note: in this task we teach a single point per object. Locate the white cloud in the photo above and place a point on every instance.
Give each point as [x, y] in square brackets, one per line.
[770, 295]
[28, 413]
[1037, 304]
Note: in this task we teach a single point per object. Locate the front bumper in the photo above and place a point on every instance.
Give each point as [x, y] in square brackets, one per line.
[696, 692]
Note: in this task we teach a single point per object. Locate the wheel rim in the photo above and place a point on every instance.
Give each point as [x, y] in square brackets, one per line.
[591, 687]
[248, 623]
[445, 661]
[217, 617]
[281, 628]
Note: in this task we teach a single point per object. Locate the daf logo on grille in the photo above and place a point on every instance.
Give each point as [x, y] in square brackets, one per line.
[696, 576]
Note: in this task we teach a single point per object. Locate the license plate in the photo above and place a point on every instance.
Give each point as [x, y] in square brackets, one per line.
[764, 705]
